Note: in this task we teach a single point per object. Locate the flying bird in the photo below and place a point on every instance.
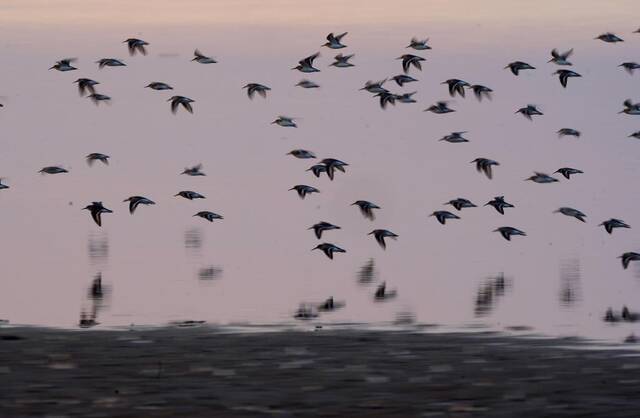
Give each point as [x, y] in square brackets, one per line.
[110, 62]
[317, 169]
[2, 185]
[455, 137]
[560, 59]
[366, 208]
[320, 227]
[381, 234]
[304, 190]
[342, 61]
[335, 41]
[564, 75]
[328, 249]
[443, 215]
[253, 88]
[306, 84]
[85, 84]
[190, 195]
[332, 164]
[439, 108]
[630, 66]
[97, 98]
[481, 91]
[157, 85]
[194, 171]
[529, 111]
[64, 65]
[406, 97]
[136, 45]
[568, 171]
[176, 101]
[302, 154]
[408, 60]
[484, 165]
[209, 216]
[613, 223]
[571, 212]
[382, 294]
[629, 257]
[499, 204]
[134, 201]
[568, 132]
[456, 86]
[630, 108]
[461, 203]
[541, 178]
[53, 170]
[402, 79]
[97, 209]
[285, 121]
[375, 86]
[518, 66]
[386, 98]
[635, 135]
[507, 232]
[202, 59]
[96, 156]
[419, 45]
[305, 65]
[609, 38]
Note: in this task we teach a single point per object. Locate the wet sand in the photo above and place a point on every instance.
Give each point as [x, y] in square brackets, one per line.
[205, 372]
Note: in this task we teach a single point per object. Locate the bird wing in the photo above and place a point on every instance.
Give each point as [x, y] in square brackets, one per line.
[96, 217]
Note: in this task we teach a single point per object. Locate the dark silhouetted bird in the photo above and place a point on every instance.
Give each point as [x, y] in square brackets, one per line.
[320, 227]
[304, 190]
[381, 234]
[134, 201]
[328, 249]
[97, 209]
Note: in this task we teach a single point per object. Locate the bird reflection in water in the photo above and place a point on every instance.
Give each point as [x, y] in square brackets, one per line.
[98, 249]
[96, 295]
[488, 294]
[193, 240]
[367, 272]
[569, 282]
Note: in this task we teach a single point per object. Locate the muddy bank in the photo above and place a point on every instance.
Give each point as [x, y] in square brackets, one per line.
[203, 372]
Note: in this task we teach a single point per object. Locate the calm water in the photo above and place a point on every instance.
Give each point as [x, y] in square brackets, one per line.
[255, 266]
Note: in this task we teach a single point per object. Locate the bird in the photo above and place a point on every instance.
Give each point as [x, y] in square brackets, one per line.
[366, 208]
[317, 169]
[334, 41]
[330, 305]
[481, 91]
[305, 65]
[460, 203]
[328, 249]
[630, 108]
[518, 66]
[629, 257]
[3, 186]
[386, 98]
[134, 201]
[176, 101]
[560, 59]
[320, 227]
[306, 84]
[305, 312]
[571, 212]
[406, 97]
[628, 316]
[382, 294]
[97, 98]
[456, 86]
[209, 216]
[64, 65]
[568, 132]
[333, 164]
[484, 165]
[508, 231]
[635, 135]
[110, 62]
[86, 84]
[158, 85]
[568, 171]
[529, 111]
[455, 137]
[541, 178]
[419, 45]
[103, 158]
[253, 88]
[302, 154]
[402, 79]
[375, 86]
[97, 209]
[564, 76]
[342, 61]
[53, 170]
[188, 194]
[202, 59]
[609, 38]
[443, 215]
[194, 171]
[499, 204]
[439, 108]
[381, 234]
[630, 66]
[285, 121]
[612, 223]
[408, 60]
[136, 45]
[304, 190]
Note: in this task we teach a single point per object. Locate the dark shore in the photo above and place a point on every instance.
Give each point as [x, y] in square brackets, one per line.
[203, 372]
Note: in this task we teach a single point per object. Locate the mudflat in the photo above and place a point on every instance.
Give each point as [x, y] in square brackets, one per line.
[206, 372]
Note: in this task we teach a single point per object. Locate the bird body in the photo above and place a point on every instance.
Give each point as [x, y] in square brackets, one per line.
[484, 165]
[481, 91]
[402, 79]
[176, 101]
[455, 137]
[253, 88]
[103, 158]
[335, 41]
[460, 203]
[419, 45]
[629, 257]
[134, 201]
[86, 84]
[560, 59]
[381, 234]
[302, 154]
[285, 121]
[98, 98]
[332, 165]
[320, 227]
[439, 108]
[443, 215]
[342, 61]
[568, 171]
[508, 231]
[568, 132]
[517, 66]
[209, 216]
[158, 85]
[571, 212]
[64, 65]
[97, 209]
[613, 223]
[609, 38]
[456, 86]
[408, 60]
[53, 170]
[630, 108]
[202, 59]
[499, 204]
[541, 178]
[529, 111]
[630, 66]
[306, 84]
[190, 195]
[110, 62]
[305, 65]
[366, 208]
[564, 75]
[136, 45]
[329, 249]
[375, 86]
[304, 190]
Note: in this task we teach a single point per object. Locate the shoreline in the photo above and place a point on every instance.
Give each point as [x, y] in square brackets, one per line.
[201, 371]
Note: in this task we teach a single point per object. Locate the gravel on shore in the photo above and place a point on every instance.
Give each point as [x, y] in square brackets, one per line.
[204, 372]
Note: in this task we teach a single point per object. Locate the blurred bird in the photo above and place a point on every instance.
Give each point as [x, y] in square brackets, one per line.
[560, 59]
[134, 201]
[342, 61]
[635, 135]
[541, 178]
[64, 65]
[53, 170]
[571, 212]
[564, 76]
[613, 223]
[481, 91]
[456, 86]
[86, 84]
[366, 208]
[402, 79]
[97, 156]
[2, 185]
[375, 86]
[568, 171]
[386, 98]
[202, 59]
[285, 121]
[194, 171]
[529, 111]
[381, 234]
[305, 65]
[439, 108]
[454, 137]
[320, 227]
[253, 88]
[176, 101]
[630, 108]
[408, 60]
[330, 305]
[382, 294]
[499, 204]
[484, 165]
[110, 62]
[157, 85]
[209, 216]
[97, 209]
[306, 84]
[190, 195]
[518, 66]
[302, 154]
[507, 232]
[419, 45]
[328, 249]
[317, 169]
[406, 97]
[332, 164]
[304, 190]
[96, 98]
[136, 45]
[334, 41]
[443, 215]
[609, 38]
[629, 257]
[630, 66]
[568, 132]
[461, 203]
